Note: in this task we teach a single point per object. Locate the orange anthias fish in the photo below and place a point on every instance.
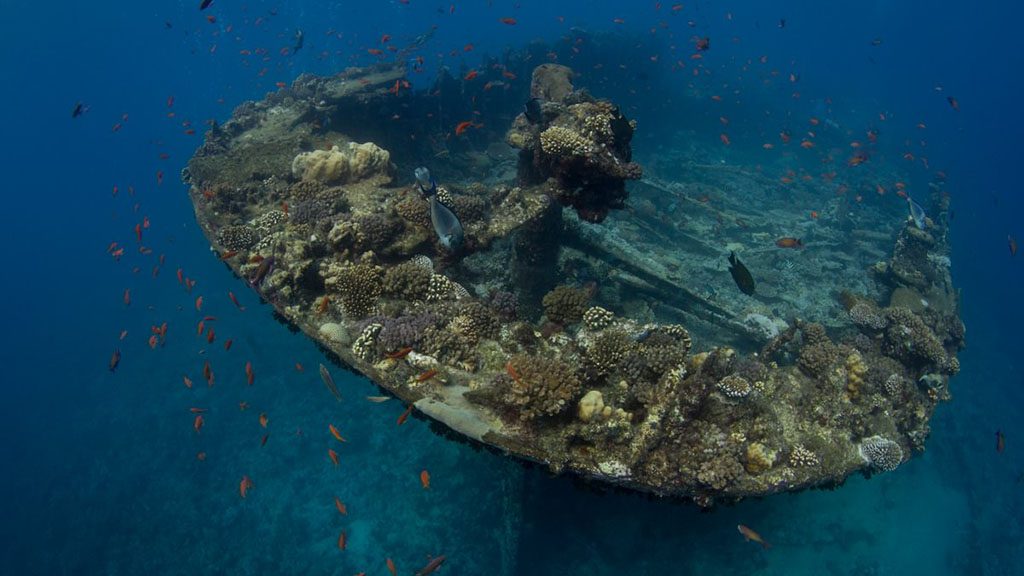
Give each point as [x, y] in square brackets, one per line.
[342, 509]
[750, 535]
[1000, 441]
[470, 75]
[250, 377]
[333, 456]
[115, 359]
[461, 127]
[199, 303]
[244, 486]
[127, 297]
[789, 242]
[724, 138]
[342, 540]
[508, 21]
[391, 567]
[405, 415]
[1013, 244]
[263, 419]
[198, 423]
[425, 479]
[335, 433]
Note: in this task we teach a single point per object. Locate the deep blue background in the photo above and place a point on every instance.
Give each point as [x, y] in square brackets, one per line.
[100, 471]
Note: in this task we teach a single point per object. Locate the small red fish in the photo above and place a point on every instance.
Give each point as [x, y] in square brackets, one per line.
[426, 375]
[1000, 441]
[789, 242]
[342, 509]
[198, 423]
[115, 359]
[199, 304]
[227, 344]
[333, 456]
[263, 419]
[1013, 244]
[334, 432]
[425, 479]
[263, 441]
[235, 301]
[153, 342]
[399, 353]
[244, 486]
[127, 297]
[470, 75]
[724, 138]
[187, 381]
[953, 103]
[250, 376]
[508, 21]
[405, 415]
[391, 567]
[342, 540]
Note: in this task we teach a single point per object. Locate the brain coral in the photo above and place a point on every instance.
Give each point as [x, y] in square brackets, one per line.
[881, 453]
[540, 386]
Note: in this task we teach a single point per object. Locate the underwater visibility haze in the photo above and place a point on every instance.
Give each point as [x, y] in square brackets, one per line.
[512, 287]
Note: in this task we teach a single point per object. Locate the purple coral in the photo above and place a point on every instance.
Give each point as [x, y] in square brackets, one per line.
[404, 331]
[506, 304]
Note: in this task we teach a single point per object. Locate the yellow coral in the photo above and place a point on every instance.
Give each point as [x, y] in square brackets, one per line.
[855, 371]
[759, 458]
[560, 141]
[340, 165]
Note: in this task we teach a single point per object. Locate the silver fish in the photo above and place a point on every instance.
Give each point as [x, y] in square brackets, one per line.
[917, 213]
[329, 382]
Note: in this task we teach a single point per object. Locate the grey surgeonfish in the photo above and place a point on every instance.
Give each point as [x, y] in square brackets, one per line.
[917, 213]
[446, 224]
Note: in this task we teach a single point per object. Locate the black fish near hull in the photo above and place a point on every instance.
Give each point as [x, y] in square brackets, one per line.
[740, 274]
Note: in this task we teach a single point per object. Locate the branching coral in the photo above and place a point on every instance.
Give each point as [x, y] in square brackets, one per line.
[607, 350]
[881, 453]
[540, 386]
[565, 305]
[561, 141]
[408, 281]
[909, 340]
[597, 318]
[237, 237]
[720, 471]
[358, 287]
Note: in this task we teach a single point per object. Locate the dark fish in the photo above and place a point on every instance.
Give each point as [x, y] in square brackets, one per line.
[533, 111]
[115, 359]
[446, 225]
[431, 566]
[953, 103]
[1000, 441]
[300, 39]
[79, 110]
[876, 42]
[782, 22]
[329, 382]
[741, 275]
[205, 4]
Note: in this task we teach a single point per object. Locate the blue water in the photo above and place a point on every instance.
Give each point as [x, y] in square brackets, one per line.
[101, 474]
